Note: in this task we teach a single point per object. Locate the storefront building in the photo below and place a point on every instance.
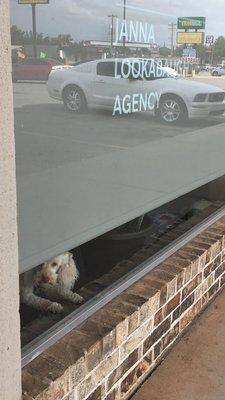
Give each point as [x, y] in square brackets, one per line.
[112, 167]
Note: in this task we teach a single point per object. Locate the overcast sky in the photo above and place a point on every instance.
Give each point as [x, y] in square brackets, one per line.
[87, 19]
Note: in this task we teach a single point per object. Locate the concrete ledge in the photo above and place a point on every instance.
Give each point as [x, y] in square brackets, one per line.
[113, 351]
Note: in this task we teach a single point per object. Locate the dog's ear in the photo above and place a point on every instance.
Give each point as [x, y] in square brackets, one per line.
[71, 259]
[65, 258]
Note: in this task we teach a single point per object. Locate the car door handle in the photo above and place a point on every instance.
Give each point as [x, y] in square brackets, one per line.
[100, 81]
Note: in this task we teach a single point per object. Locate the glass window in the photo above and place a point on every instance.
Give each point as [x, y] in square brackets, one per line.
[92, 154]
[107, 166]
[106, 69]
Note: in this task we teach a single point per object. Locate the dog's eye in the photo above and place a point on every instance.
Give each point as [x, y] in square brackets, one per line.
[54, 264]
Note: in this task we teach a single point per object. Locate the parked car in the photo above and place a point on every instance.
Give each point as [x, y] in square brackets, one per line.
[218, 71]
[33, 69]
[66, 66]
[207, 67]
[93, 84]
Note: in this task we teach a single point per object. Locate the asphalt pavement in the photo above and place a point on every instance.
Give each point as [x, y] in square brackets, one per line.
[211, 80]
[44, 127]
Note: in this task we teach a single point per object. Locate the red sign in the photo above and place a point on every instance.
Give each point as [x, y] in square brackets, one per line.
[189, 60]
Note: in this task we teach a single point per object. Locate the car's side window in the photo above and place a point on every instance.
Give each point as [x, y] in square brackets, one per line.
[111, 69]
[106, 69]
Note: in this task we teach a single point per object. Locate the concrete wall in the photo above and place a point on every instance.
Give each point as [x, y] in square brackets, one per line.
[10, 370]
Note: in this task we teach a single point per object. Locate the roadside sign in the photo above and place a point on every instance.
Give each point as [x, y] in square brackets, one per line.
[209, 39]
[33, 1]
[189, 52]
[189, 60]
[190, 37]
[191, 23]
[43, 54]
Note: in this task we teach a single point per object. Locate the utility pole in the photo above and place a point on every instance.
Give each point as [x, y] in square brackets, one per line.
[112, 16]
[212, 55]
[124, 18]
[34, 29]
[33, 4]
[172, 27]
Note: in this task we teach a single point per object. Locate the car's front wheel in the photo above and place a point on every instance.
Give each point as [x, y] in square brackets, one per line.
[172, 110]
[215, 73]
[74, 99]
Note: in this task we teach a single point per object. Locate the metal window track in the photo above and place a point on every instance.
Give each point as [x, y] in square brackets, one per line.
[66, 325]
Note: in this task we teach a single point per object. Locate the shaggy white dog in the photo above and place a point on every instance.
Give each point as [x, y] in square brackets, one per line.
[54, 280]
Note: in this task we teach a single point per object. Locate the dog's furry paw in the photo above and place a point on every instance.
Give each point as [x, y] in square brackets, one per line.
[55, 308]
[77, 299]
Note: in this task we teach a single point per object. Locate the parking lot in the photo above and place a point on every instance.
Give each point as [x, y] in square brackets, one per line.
[102, 170]
[47, 135]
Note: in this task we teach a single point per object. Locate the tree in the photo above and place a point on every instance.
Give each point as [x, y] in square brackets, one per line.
[20, 37]
[178, 52]
[164, 51]
[219, 47]
[63, 40]
[201, 52]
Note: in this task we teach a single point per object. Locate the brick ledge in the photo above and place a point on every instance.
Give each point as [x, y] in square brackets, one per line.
[108, 355]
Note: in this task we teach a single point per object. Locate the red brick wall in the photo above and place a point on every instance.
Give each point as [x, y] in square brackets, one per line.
[109, 355]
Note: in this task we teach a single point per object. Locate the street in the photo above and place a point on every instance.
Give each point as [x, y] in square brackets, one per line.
[47, 135]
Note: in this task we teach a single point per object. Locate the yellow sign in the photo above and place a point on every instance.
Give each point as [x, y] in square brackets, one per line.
[33, 1]
[190, 37]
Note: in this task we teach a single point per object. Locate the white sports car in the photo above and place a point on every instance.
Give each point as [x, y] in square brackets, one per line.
[102, 83]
